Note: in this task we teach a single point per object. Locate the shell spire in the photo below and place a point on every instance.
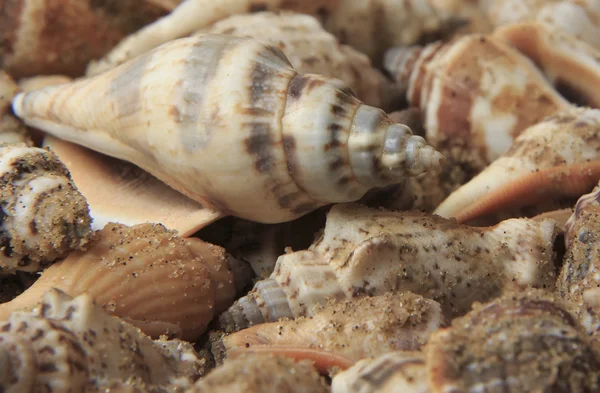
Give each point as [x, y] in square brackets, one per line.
[228, 122]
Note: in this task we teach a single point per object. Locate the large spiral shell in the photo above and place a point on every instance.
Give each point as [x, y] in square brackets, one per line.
[228, 122]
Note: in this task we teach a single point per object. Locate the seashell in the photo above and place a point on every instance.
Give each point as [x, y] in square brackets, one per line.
[33, 43]
[557, 158]
[41, 81]
[392, 372]
[70, 344]
[570, 64]
[149, 276]
[522, 342]
[13, 131]
[476, 94]
[311, 50]
[367, 252]
[575, 17]
[281, 172]
[261, 373]
[44, 215]
[577, 282]
[8, 89]
[355, 328]
[383, 23]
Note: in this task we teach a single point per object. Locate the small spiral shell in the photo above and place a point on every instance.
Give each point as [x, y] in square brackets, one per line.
[366, 251]
[224, 120]
[44, 215]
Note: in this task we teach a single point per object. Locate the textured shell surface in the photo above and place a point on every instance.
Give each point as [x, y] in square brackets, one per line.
[521, 342]
[571, 65]
[149, 276]
[70, 344]
[33, 43]
[557, 158]
[44, 215]
[476, 93]
[311, 50]
[393, 372]
[578, 280]
[369, 252]
[183, 110]
[355, 329]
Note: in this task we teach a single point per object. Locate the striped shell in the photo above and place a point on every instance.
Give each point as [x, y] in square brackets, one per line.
[149, 276]
[476, 94]
[70, 344]
[44, 217]
[554, 161]
[369, 252]
[229, 123]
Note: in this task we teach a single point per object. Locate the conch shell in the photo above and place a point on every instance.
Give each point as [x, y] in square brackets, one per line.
[224, 120]
[312, 50]
[71, 345]
[476, 94]
[355, 329]
[578, 280]
[553, 160]
[149, 276]
[61, 37]
[383, 23]
[44, 217]
[570, 64]
[368, 252]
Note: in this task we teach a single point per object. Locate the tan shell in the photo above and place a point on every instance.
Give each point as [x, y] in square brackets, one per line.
[570, 64]
[44, 215]
[70, 344]
[369, 252]
[8, 89]
[61, 37]
[311, 50]
[355, 329]
[154, 279]
[476, 94]
[554, 160]
[210, 98]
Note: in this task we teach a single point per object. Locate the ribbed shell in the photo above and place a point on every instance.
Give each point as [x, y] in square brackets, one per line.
[369, 252]
[70, 344]
[476, 94]
[578, 279]
[518, 343]
[44, 215]
[355, 329]
[61, 37]
[311, 50]
[229, 123]
[553, 160]
[149, 276]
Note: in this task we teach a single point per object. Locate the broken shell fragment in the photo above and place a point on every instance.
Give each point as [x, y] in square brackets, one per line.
[476, 94]
[570, 64]
[149, 276]
[368, 252]
[355, 329]
[554, 160]
[182, 128]
[44, 215]
[71, 345]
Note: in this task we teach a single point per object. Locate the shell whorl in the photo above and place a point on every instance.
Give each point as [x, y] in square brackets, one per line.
[45, 216]
[299, 141]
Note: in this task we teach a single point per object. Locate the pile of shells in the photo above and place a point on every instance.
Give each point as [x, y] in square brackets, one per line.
[345, 196]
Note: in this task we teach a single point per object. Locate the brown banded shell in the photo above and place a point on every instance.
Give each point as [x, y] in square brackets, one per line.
[44, 215]
[355, 328]
[72, 345]
[230, 117]
[476, 94]
[149, 276]
[367, 252]
[61, 37]
[548, 166]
